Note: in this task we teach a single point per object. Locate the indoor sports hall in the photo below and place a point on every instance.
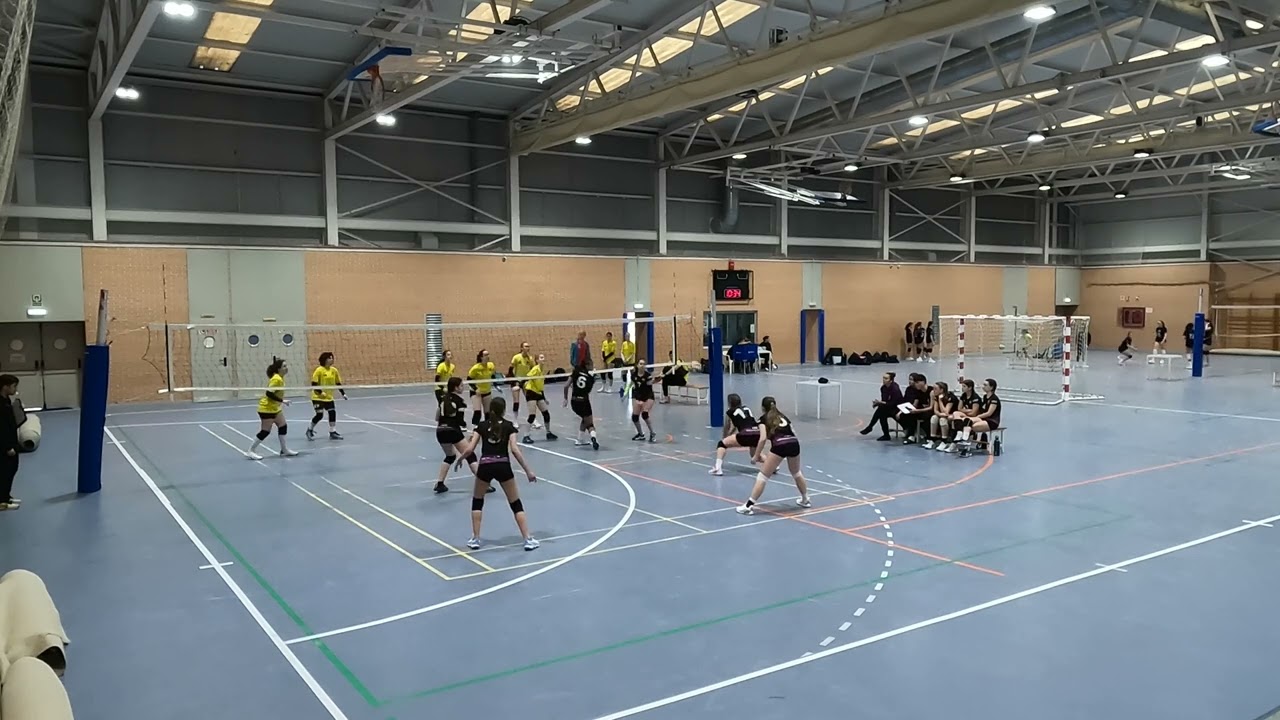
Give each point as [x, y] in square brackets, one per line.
[677, 359]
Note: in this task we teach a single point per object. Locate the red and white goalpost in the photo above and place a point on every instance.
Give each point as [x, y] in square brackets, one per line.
[1031, 357]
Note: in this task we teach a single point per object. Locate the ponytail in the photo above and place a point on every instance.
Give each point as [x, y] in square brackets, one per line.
[274, 368]
[497, 409]
[772, 417]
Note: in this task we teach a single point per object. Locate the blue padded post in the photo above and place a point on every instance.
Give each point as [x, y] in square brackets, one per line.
[93, 417]
[715, 372]
[1197, 347]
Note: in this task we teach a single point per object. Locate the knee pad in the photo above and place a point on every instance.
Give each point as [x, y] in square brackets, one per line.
[283, 430]
[264, 434]
[635, 417]
[450, 459]
[645, 415]
[319, 416]
[546, 416]
[517, 507]
[471, 458]
[477, 504]
[333, 416]
[531, 418]
[721, 446]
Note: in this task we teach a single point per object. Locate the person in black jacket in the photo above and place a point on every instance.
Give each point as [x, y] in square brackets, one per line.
[8, 442]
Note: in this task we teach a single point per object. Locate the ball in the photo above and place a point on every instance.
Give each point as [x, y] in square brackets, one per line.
[1001, 346]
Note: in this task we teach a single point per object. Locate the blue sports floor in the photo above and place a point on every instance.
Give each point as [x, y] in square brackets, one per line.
[1117, 561]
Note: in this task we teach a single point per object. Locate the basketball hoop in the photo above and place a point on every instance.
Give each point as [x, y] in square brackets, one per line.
[376, 88]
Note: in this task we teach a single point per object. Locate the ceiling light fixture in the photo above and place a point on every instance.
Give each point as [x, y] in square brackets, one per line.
[386, 120]
[1037, 13]
[183, 10]
[739, 156]
[1215, 61]
[1045, 187]
[582, 140]
[918, 121]
[957, 177]
[1142, 154]
[127, 93]
[1036, 137]
[851, 167]
[1120, 194]
[1253, 24]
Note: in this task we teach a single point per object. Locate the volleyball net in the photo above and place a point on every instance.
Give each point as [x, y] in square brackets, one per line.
[215, 362]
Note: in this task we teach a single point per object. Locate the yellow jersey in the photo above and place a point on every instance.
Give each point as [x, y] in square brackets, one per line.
[535, 383]
[482, 371]
[520, 364]
[609, 349]
[273, 399]
[628, 352]
[324, 377]
[444, 371]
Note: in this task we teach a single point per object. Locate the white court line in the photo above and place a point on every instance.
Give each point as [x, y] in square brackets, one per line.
[329, 705]
[626, 517]
[763, 672]
[1174, 411]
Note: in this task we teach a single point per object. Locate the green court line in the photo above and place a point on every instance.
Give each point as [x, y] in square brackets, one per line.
[329, 655]
[631, 642]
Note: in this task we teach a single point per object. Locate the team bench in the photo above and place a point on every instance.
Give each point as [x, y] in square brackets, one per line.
[698, 392]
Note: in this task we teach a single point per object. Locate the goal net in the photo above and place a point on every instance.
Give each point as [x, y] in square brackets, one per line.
[17, 18]
[1031, 357]
[224, 362]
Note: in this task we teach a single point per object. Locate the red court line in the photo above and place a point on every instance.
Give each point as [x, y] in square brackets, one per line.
[1078, 483]
[823, 526]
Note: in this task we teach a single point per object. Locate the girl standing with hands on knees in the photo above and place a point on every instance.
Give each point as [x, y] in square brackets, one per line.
[783, 445]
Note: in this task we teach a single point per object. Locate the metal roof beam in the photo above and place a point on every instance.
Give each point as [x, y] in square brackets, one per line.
[632, 44]
[1061, 83]
[122, 29]
[898, 25]
[570, 12]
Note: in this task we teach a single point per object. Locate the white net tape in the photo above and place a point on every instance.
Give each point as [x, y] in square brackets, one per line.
[17, 18]
[1246, 329]
[218, 362]
[1024, 354]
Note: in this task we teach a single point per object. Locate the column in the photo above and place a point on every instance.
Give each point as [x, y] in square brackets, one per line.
[330, 192]
[513, 200]
[97, 182]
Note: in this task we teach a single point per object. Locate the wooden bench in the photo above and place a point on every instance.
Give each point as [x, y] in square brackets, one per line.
[697, 392]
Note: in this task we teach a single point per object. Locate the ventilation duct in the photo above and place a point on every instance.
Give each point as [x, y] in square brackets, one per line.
[727, 221]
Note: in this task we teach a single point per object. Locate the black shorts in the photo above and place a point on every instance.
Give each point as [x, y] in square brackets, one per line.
[321, 405]
[448, 435]
[472, 392]
[993, 424]
[268, 416]
[615, 363]
[747, 440]
[534, 396]
[494, 470]
[788, 449]
[642, 393]
[581, 407]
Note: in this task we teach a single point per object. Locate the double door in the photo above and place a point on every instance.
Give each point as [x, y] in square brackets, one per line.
[47, 358]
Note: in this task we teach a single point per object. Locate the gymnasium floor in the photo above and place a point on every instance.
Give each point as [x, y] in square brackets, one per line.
[1103, 567]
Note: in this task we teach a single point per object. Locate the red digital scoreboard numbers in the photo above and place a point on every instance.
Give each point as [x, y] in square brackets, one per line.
[731, 285]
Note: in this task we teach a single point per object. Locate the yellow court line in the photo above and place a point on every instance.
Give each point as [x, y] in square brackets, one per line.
[411, 526]
[372, 532]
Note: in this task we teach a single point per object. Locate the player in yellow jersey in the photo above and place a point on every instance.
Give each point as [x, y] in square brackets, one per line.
[483, 370]
[444, 371]
[271, 410]
[534, 393]
[326, 376]
[518, 369]
[609, 356]
[628, 359]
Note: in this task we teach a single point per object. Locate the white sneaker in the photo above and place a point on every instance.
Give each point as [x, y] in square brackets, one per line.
[928, 445]
[932, 360]
[537, 424]
[943, 447]
[803, 502]
[288, 453]
[745, 510]
[716, 471]
[474, 543]
[253, 455]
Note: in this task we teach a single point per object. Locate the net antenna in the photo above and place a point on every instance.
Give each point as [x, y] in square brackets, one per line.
[17, 18]
[1031, 357]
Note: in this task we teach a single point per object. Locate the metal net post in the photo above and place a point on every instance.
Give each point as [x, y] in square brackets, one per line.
[17, 18]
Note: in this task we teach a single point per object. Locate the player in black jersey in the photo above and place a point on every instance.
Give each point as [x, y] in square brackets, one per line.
[642, 400]
[986, 419]
[742, 431]
[783, 444]
[451, 416]
[1162, 332]
[940, 431]
[579, 386]
[496, 438]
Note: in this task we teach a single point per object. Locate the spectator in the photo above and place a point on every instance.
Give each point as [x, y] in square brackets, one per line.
[768, 358]
[8, 443]
[915, 422]
[884, 408]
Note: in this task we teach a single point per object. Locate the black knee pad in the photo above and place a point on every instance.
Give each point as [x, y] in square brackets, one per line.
[333, 416]
[471, 458]
[264, 434]
[283, 430]
[531, 418]
[477, 503]
[721, 446]
[645, 415]
[450, 459]
[635, 417]
[517, 507]
[319, 416]
[546, 416]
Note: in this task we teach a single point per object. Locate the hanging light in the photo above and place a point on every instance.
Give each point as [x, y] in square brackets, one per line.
[1045, 187]
[1038, 13]
[851, 167]
[1216, 60]
[918, 121]
[957, 177]
[1036, 137]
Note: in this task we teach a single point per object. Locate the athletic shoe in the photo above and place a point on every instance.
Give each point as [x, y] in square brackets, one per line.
[745, 510]
[333, 435]
[531, 544]
[803, 502]
[253, 456]
[715, 471]
[441, 488]
[288, 453]
[595, 444]
[311, 433]
[638, 436]
[526, 440]
[928, 445]
[474, 543]
[653, 437]
[552, 436]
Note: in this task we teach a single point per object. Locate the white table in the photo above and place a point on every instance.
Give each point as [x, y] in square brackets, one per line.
[800, 384]
[1165, 366]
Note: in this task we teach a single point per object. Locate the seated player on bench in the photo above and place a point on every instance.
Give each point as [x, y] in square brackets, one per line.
[940, 432]
[986, 420]
[915, 422]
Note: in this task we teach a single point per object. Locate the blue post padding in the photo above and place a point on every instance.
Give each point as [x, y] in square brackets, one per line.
[1197, 347]
[822, 334]
[804, 336]
[715, 372]
[804, 339]
[93, 417]
[650, 335]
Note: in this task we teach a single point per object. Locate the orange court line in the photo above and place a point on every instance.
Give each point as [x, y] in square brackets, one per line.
[823, 526]
[1078, 483]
